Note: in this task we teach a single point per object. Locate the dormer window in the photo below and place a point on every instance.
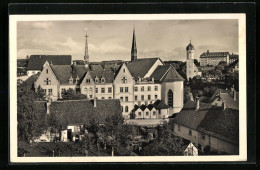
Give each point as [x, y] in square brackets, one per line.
[71, 80]
[96, 80]
[124, 80]
[124, 70]
[47, 71]
[47, 81]
[102, 80]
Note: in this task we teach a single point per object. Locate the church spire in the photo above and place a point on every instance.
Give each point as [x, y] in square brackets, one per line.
[86, 56]
[134, 49]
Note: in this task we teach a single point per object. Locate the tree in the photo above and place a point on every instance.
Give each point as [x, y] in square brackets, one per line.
[187, 96]
[54, 124]
[70, 94]
[31, 119]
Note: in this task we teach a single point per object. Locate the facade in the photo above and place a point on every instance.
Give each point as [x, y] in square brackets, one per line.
[200, 123]
[36, 62]
[191, 69]
[213, 58]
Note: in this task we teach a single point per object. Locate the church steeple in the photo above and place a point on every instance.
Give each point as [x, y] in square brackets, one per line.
[134, 49]
[86, 56]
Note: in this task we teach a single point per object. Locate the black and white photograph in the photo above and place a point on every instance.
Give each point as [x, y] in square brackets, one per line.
[116, 88]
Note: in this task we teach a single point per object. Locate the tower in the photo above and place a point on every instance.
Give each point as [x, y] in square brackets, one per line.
[190, 67]
[86, 56]
[190, 51]
[134, 49]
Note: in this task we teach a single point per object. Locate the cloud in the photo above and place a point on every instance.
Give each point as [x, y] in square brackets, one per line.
[42, 25]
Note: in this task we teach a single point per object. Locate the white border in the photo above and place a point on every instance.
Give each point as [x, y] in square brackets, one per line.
[242, 87]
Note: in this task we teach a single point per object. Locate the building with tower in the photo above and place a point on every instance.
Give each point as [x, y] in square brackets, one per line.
[133, 49]
[86, 56]
[191, 69]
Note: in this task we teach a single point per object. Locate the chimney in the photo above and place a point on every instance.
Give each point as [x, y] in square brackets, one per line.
[224, 106]
[95, 102]
[207, 51]
[48, 104]
[197, 103]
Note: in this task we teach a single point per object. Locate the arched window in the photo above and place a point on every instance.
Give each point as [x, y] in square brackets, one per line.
[170, 98]
[126, 109]
[124, 80]
[86, 89]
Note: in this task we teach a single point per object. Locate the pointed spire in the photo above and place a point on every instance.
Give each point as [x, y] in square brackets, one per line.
[134, 49]
[86, 56]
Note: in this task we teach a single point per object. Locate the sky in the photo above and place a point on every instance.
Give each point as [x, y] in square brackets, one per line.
[112, 40]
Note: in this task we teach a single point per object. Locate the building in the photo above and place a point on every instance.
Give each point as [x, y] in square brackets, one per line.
[213, 58]
[36, 62]
[209, 127]
[191, 69]
[191, 150]
[234, 66]
[73, 114]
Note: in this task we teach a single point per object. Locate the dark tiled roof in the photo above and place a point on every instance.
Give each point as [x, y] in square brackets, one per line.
[79, 111]
[166, 73]
[140, 67]
[234, 56]
[190, 47]
[214, 54]
[216, 93]
[150, 106]
[221, 124]
[158, 104]
[191, 118]
[36, 61]
[143, 107]
[135, 108]
[64, 72]
[232, 65]
[30, 81]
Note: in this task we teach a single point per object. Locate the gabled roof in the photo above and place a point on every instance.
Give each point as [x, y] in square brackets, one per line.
[166, 73]
[64, 72]
[229, 101]
[143, 107]
[159, 104]
[139, 67]
[82, 111]
[221, 124]
[36, 62]
[235, 63]
[214, 54]
[135, 108]
[191, 118]
[30, 81]
[150, 107]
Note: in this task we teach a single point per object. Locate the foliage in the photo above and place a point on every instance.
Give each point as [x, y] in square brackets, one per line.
[31, 120]
[70, 94]
[232, 79]
[187, 96]
[54, 123]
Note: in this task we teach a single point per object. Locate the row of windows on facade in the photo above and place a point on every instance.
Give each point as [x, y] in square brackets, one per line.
[136, 88]
[190, 132]
[47, 90]
[90, 90]
[142, 98]
[96, 79]
[147, 113]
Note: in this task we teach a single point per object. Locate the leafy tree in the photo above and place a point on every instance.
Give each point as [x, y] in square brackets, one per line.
[54, 124]
[70, 94]
[31, 119]
[187, 96]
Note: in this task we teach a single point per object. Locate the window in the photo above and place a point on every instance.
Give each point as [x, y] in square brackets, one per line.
[122, 109]
[139, 113]
[90, 91]
[136, 88]
[124, 80]
[146, 113]
[203, 137]
[149, 88]
[154, 113]
[155, 88]
[190, 132]
[179, 128]
[102, 90]
[121, 89]
[96, 80]
[109, 89]
[47, 71]
[63, 90]
[155, 96]
[135, 97]
[126, 89]
[44, 90]
[102, 98]
[96, 90]
[124, 70]
[142, 88]
[149, 97]
[121, 98]
[109, 97]
[170, 98]
[126, 99]
[126, 109]
[47, 81]
[90, 96]
[50, 91]
[88, 80]
[142, 97]
[103, 80]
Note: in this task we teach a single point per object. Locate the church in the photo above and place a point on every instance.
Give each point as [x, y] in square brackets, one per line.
[146, 87]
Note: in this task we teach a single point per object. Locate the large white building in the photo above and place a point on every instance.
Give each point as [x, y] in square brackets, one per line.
[146, 84]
